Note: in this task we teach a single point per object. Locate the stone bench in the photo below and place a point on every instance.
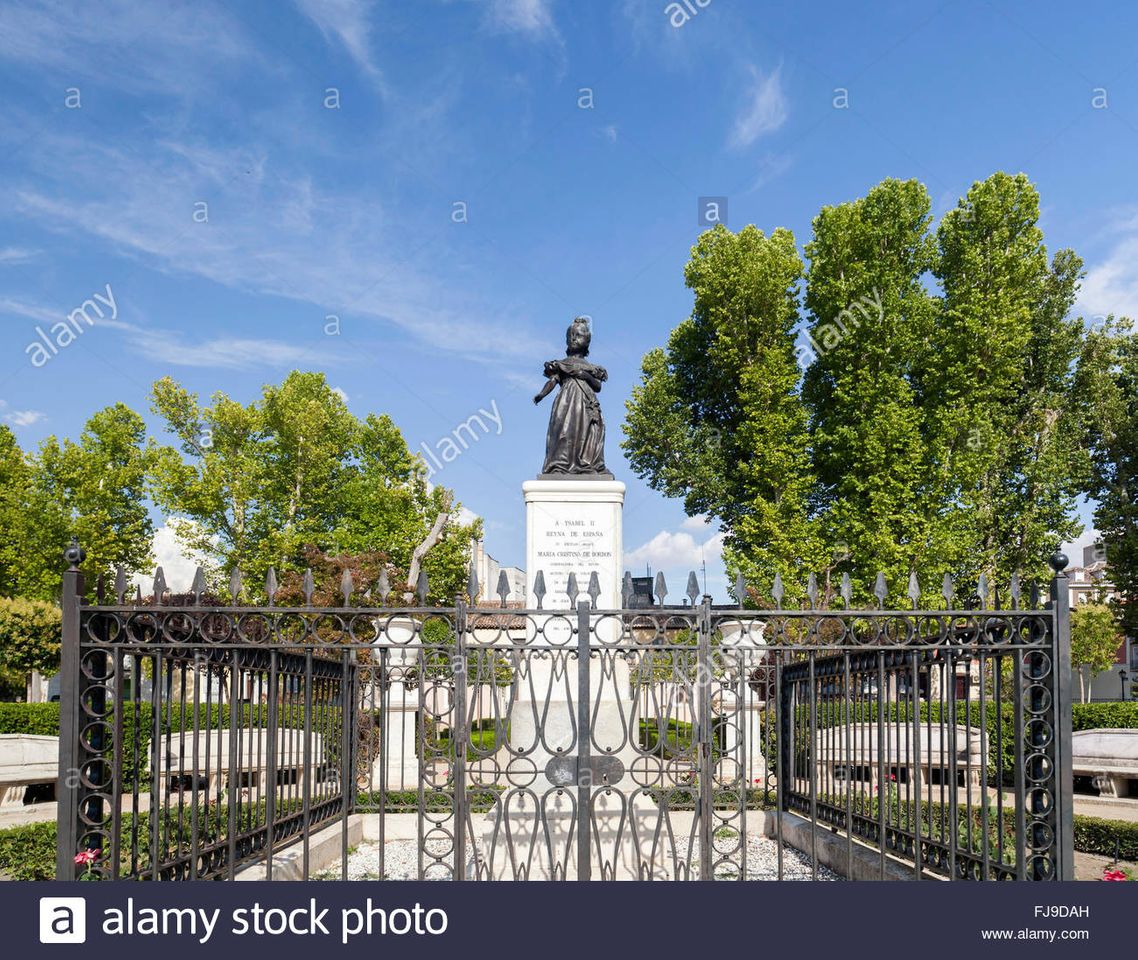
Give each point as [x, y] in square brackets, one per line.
[862, 763]
[26, 760]
[1110, 757]
[179, 772]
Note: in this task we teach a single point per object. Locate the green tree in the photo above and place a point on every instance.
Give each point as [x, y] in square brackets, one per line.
[93, 490]
[259, 485]
[30, 632]
[717, 419]
[1108, 383]
[15, 474]
[998, 386]
[871, 315]
[1095, 639]
[938, 426]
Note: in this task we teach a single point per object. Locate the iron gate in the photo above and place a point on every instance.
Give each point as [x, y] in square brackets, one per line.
[202, 738]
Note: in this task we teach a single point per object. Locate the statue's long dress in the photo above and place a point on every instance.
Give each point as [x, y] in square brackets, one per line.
[575, 441]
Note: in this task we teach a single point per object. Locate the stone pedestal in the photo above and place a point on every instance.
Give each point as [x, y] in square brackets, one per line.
[572, 526]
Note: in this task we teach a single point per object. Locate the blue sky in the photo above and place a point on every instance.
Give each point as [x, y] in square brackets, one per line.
[578, 135]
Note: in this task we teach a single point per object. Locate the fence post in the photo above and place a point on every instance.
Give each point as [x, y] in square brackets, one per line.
[584, 742]
[706, 773]
[1061, 711]
[460, 737]
[67, 785]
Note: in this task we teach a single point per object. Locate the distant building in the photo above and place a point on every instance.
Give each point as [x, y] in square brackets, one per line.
[489, 572]
[1091, 583]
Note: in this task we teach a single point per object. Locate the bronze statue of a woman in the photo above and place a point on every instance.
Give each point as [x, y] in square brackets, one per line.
[575, 441]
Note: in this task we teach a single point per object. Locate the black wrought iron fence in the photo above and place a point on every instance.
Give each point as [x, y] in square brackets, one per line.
[203, 739]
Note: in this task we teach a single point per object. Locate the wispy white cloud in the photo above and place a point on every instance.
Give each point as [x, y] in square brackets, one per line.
[677, 553]
[21, 418]
[33, 311]
[281, 235]
[234, 353]
[348, 23]
[24, 418]
[10, 255]
[1111, 285]
[178, 564]
[174, 48]
[765, 111]
[675, 549]
[771, 167]
[1074, 549]
[174, 349]
[531, 17]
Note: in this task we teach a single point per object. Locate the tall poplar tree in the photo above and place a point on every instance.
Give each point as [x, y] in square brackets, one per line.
[871, 316]
[1108, 380]
[938, 427]
[717, 418]
[998, 385]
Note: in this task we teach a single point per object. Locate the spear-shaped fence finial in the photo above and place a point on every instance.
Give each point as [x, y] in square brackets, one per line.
[198, 586]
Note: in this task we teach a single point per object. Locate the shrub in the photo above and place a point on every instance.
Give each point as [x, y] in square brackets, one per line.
[484, 738]
[676, 741]
[1108, 838]
[480, 800]
[30, 632]
[999, 717]
[35, 719]
[42, 720]
[28, 852]
[1111, 716]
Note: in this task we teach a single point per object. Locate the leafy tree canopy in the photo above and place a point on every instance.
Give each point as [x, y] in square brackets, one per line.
[93, 490]
[30, 632]
[261, 484]
[1095, 639]
[935, 426]
[1108, 380]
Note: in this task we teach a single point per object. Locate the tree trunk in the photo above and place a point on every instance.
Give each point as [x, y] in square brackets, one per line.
[432, 537]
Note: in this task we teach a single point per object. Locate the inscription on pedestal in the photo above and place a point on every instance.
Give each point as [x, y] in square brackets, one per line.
[580, 544]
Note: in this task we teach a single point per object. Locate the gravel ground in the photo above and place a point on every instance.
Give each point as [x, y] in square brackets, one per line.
[401, 861]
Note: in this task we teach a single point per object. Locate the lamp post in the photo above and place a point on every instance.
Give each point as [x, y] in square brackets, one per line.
[1124, 676]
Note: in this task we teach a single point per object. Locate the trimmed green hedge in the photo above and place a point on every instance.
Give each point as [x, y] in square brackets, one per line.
[1118, 715]
[28, 852]
[42, 720]
[480, 800]
[36, 719]
[1109, 838]
[483, 738]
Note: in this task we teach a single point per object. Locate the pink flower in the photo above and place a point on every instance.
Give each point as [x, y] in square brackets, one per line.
[86, 857]
[1109, 874]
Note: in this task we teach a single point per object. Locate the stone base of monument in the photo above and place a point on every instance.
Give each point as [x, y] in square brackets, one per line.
[573, 525]
[534, 832]
[534, 837]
